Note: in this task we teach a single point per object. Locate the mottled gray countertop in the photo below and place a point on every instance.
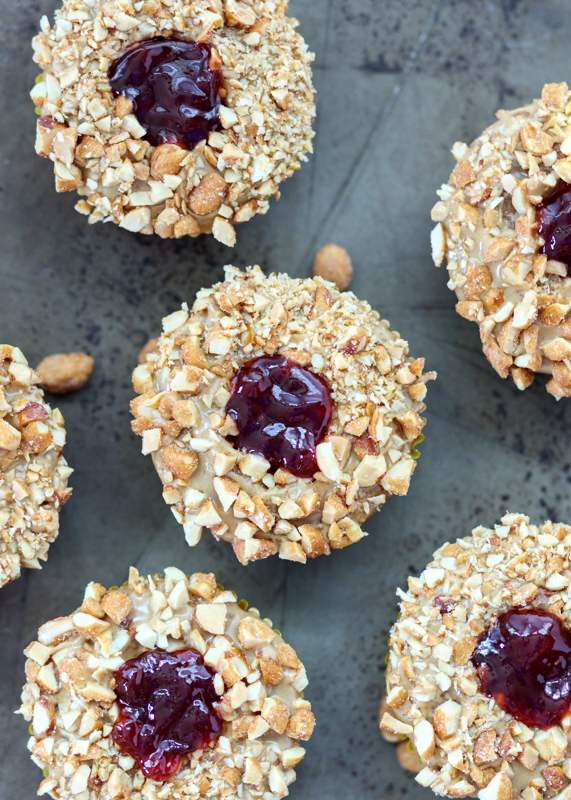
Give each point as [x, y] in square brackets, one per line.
[398, 82]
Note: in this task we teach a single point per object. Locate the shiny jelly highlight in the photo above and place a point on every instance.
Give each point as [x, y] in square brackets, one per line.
[174, 92]
[524, 663]
[166, 709]
[282, 412]
[554, 224]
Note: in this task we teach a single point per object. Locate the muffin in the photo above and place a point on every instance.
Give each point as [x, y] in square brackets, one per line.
[504, 226]
[165, 688]
[33, 471]
[280, 414]
[175, 118]
[479, 668]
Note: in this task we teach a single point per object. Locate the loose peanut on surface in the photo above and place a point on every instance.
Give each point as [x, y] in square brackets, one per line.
[65, 372]
[408, 757]
[333, 264]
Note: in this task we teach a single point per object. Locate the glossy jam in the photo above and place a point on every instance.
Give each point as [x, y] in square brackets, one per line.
[167, 708]
[174, 92]
[554, 224]
[524, 663]
[281, 411]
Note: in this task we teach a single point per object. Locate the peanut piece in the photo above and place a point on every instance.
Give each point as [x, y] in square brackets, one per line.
[553, 94]
[463, 175]
[300, 725]
[117, 606]
[65, 372]
[148, 348]
[408, 758]
[534, 140]
[332, 263]
[36, 437]
[10, 437]
[123, 106]
[186, 226]
[89, 147]
[208, 195]
[166, 160]
[179, 461]
[238, 14]
[46, 130]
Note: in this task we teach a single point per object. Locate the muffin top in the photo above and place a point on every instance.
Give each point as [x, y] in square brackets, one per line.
[176, 118]
[479, 669]
[98, 681]
[280, 413]
[33, 471]
[504, 226]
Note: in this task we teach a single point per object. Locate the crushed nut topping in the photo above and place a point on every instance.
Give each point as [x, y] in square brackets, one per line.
[468, 744]
[99, 148]
[70, 700]
[367, 454]
[487, 229]
[33, 471]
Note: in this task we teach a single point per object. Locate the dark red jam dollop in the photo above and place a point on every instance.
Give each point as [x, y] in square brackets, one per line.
[524, 663]
[281, 411]
[174, 92]
[167, 708]
[554, 224]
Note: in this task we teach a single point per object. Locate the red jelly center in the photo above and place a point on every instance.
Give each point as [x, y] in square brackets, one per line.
[167, 708]
[554, 218]
[281, 411]
[174, 92]
[524, 663]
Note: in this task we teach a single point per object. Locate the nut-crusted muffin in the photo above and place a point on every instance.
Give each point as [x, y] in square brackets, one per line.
[502, 225]
[113, 148]
[75, 694]
[33, 471]
[473, 676]
[353, 400]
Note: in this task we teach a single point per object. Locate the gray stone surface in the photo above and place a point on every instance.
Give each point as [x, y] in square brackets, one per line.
[398, 82]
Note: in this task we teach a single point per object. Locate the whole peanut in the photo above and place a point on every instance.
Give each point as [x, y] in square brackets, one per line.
[65, 372]
[332, 263]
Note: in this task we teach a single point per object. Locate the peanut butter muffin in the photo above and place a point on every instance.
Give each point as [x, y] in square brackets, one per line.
[280, 414]
[175, 118]
[33, 471]
[166, 688]
[504, 225]
[479, 670]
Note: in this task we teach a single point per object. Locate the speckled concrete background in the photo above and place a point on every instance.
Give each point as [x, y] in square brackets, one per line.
[398, 82]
